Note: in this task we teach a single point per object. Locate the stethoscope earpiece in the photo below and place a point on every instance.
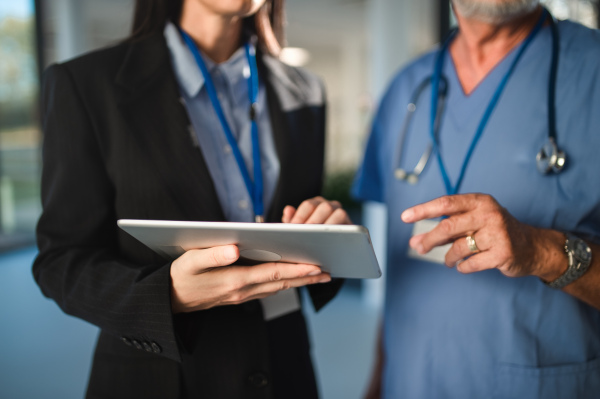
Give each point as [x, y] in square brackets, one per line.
[410, 177]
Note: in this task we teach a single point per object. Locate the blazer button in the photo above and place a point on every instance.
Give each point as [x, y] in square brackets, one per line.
[156, 348]
[126, 341]
[147, 346]
[136, 344]
[258, 380]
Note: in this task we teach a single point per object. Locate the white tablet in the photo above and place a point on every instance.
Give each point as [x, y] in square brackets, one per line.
[345, 251]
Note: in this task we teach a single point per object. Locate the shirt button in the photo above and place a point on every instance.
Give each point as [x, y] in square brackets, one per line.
[147, 346]
[126, 341]
[227, 149]
[136, 344]
[243, 204]
[258, 380]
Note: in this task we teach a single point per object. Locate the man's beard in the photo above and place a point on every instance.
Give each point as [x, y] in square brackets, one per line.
[494, 11]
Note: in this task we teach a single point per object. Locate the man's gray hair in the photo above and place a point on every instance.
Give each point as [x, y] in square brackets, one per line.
[494, 11]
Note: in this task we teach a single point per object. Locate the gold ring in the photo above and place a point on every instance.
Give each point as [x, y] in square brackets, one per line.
[471, 244]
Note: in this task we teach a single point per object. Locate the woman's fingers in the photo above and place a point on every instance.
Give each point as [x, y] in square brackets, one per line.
[266, 289]
[339, 216]
[197, 261]
[202, 279]
[316, 210]
[306, 209]
[288, 213]
[322, 212]
[261, 291]
[274, 271]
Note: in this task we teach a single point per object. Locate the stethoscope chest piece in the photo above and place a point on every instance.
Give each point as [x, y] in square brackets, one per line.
[550, 158]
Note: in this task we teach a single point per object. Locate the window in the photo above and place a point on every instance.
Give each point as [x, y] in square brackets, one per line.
[19, 124]
[582, 11]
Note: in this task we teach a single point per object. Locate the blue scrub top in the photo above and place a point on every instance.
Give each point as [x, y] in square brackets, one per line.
[484, 335]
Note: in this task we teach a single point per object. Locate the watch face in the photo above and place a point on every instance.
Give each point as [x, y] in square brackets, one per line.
[582, 251]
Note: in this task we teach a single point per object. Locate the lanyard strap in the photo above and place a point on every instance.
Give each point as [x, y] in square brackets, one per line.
[254, 187]
[450, 189]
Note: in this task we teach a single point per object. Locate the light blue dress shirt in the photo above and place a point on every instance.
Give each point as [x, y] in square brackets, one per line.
[484, 335]
[230, 83]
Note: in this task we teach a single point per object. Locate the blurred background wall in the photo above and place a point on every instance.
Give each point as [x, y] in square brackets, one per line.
[355, 46]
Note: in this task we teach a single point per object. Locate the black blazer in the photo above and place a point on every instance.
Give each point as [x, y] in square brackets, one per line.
[117, 144]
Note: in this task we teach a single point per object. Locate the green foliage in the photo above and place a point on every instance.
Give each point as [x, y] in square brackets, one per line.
[337, 187]
[18, 72]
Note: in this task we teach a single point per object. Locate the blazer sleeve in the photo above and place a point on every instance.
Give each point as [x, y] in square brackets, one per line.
[79, 264]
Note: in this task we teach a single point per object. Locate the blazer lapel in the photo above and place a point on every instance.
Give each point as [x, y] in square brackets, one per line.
[158, 119]
[294, 109]
[279, 88]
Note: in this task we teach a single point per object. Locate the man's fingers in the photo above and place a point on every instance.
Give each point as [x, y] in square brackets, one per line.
[444, 206]
[478, 262]
[460, 248]
[451, 228]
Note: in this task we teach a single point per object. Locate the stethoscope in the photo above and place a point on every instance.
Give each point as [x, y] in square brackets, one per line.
[549, 159]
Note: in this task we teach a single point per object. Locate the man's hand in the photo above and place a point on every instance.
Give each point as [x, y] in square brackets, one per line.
[205, 278]
[504, 243]
[316, 210]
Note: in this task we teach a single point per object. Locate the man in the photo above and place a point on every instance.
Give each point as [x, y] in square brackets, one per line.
[514, 311]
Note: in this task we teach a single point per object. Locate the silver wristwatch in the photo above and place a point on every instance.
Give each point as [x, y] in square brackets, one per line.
[580, 258]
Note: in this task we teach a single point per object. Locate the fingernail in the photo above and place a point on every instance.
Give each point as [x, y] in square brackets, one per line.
[325, 279]
[230, 253]
[314, 273]
[420, 249]
[415, 240]
[407, 215]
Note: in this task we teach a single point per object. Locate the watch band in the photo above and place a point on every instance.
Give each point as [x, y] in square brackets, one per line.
[579, 255]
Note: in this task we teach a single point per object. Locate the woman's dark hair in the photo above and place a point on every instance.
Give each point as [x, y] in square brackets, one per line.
[150, 16]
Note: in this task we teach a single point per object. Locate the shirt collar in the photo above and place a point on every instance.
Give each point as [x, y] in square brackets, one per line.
[189, 75]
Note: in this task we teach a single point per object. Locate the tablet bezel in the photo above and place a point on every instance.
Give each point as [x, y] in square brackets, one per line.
[345, 251]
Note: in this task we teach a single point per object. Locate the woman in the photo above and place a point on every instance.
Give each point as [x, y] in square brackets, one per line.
[132, 132]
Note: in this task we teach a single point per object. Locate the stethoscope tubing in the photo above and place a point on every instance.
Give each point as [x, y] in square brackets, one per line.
[549, 158]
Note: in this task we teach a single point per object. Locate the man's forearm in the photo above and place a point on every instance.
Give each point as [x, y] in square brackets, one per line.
[553, 262]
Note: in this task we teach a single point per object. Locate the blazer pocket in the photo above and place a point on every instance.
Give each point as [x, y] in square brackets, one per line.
[576, 380]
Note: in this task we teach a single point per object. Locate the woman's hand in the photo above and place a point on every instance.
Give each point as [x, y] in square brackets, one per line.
[316, 210]
[205, 278]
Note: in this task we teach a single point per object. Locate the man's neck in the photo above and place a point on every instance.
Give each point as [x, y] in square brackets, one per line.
[218, 36]
[479, 46]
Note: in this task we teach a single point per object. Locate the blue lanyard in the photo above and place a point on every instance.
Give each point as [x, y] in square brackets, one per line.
[255, 188]
[450, 189]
